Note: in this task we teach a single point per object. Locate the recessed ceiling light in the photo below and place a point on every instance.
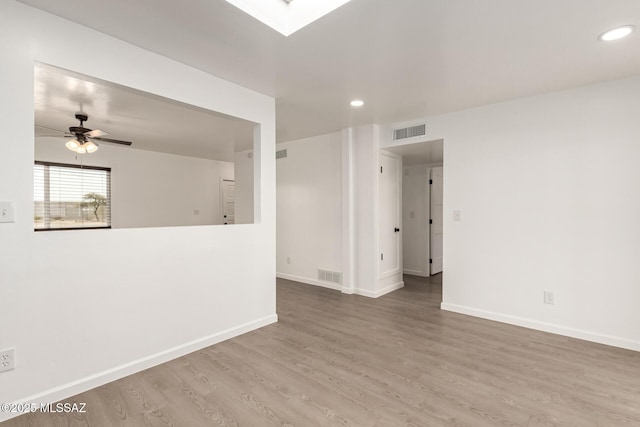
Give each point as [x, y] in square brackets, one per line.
[357, 103]
[616, 33]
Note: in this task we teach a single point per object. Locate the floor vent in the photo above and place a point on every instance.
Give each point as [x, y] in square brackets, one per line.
[281, 154]
[330, 276]
[410, 132]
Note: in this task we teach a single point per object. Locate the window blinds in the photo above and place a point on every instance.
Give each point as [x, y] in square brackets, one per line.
[70, 197]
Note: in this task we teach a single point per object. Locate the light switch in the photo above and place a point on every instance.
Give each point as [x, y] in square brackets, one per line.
[7, 212]
[457, 215]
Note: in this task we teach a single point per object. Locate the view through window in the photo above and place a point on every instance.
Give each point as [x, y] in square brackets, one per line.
[71, 197]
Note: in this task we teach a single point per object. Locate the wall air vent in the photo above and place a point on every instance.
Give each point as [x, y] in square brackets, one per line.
[410, 132]
[330, 276]
[281, 154]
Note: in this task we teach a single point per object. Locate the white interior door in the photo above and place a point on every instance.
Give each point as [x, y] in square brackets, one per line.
[227, 196]
[436, 220]
[389, 214]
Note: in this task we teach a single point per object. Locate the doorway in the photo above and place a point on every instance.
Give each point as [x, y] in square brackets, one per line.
[227, 201]
[422, 207]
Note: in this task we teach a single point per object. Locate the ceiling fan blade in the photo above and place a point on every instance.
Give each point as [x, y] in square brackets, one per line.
[48, 128]
[66, 135]
[113, 141]
[95, 133]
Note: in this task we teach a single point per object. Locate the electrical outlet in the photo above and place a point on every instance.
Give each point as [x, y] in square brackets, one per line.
[549, 298]
[7, 359]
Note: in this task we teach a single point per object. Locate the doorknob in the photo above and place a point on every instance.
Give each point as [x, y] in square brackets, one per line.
[396, 229]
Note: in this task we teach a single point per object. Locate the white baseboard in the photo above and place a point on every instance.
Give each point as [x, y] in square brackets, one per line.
[379, 292]
[71, 389]
[415, 273]
[357, 291]
[545, 327]
[309, 281]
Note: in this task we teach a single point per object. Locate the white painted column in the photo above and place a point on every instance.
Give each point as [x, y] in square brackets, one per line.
[348, 213]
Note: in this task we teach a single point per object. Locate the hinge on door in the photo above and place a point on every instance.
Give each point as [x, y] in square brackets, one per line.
[380, 169]
[430, 221]
[430, 261]
[430, 182]
[381, 257]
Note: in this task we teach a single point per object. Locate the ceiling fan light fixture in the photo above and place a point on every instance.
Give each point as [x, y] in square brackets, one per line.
[72, 144]
[90, 147]
[81, 144]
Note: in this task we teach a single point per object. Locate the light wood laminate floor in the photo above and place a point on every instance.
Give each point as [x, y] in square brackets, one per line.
[346, 360]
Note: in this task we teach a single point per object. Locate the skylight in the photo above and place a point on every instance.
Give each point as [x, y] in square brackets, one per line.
[287, 16]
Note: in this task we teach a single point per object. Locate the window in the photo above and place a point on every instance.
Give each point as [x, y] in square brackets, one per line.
[68, 197]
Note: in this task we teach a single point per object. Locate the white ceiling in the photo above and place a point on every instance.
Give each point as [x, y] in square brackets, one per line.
[405, 58]
[150, 122]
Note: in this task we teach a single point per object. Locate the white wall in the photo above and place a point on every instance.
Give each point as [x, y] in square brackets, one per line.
[150, 189]
[415, 220]
[327, 211]
[309, 209]
[149, 294]
[549, 191]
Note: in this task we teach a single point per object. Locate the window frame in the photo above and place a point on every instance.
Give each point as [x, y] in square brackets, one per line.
[72, 166]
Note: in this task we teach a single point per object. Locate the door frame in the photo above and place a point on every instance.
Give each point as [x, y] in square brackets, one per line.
[431, 226]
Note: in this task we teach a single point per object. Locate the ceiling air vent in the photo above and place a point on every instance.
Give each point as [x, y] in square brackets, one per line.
[281, 154]
[410, 132]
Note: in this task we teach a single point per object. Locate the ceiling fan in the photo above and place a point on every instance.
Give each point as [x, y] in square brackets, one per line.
[83, 138]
